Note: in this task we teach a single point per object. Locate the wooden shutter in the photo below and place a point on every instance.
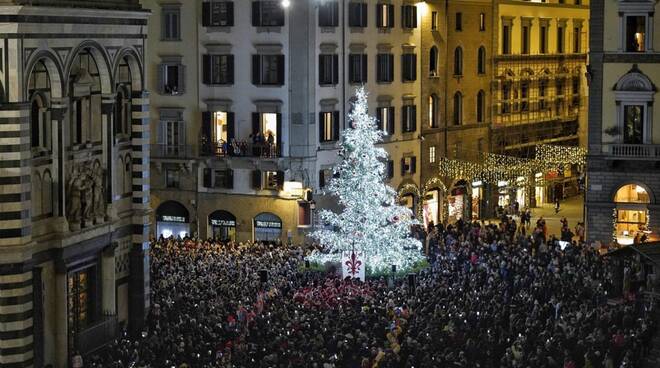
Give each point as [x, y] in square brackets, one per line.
[363, 15]
[390, 169]
[231, 127]
[321, 178]
[321, 130]
[162, 69]
[390, 18]
[255, 123]
[321, 69]
[206, 14]
[208, 178]
[392, 122]
[413, 164]
[256, 179]
[278, 142]
[335, 125]
[390, 71]
[379, 16]
[256, 69]
[280, 69]
[206, 127]
[379, 118]
[182, 78]
[335, 14]
[413, 66]
[365, 67]
[229, 179]
[256, 13]
[413, 116]
[280, 180]
[354, 14]
[206, 68]
[403, 166]
[162, 130]
[230, 69]
[414, 16]
[405, 110]
[335, 69]
[230, 13]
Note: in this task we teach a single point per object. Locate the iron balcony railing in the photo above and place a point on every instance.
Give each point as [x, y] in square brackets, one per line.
[240, 149]
[633, 151]
[173, 151]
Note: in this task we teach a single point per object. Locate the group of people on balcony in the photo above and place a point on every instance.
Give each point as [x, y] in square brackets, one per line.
[260, 145]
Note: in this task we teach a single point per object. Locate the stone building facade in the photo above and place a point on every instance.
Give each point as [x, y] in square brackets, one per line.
[74, 177]
[623, 175]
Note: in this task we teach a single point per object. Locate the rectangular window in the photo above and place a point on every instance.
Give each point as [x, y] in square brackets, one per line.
[329, 126]
[384, 15]
[434, 21]
[357, 68]
[268, 69]
[357, 15]
[409, 118]
[506, 40]
[432, 157]
[385, 68]
[543, 39]
[577, 44]
[385, 117]
[325, 176]
[524, 48]
[506, 96]
[220, 126]
[389, 169]
[171, 24]
[633, 124]
[409, 16]
[560, 86]
[273, 180]
[173, 137]
[171, 79]
[408, 165]
[482, 22]
[328, 69]
[267, 14]
[635, 33]
[459, 21]
[560, 40]
[408, 67]
[223, 179]
[218, 69]
[171, 178]
[266, 134]
[329, 14]
[524, 96]
[218, 14]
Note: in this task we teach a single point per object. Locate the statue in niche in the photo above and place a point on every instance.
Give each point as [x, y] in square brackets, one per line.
[86, 205]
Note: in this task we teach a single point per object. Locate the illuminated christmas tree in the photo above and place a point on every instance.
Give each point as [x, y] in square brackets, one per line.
[371, 223]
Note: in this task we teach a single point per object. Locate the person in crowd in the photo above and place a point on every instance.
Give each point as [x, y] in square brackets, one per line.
[490, 297]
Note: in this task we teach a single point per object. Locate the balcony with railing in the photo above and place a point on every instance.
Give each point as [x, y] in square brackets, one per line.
[239, 149]
[632, 151]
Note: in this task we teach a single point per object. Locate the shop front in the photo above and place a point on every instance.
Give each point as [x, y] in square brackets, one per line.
[631, 215]
[267, 227]
[222, 225]
[172, 219]
[459, 202]
[432, 207]
[477, 199]
[539, 189]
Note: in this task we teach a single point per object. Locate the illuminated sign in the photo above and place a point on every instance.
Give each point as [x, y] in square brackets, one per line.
[166, 218]
[223, 223]
[268, 224]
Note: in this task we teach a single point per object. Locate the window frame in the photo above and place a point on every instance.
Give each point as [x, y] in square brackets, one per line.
[408, 67]
[362, 71]
[380, 69]
[328, 62]
[213, 8]
[330, 20]
[170, 10]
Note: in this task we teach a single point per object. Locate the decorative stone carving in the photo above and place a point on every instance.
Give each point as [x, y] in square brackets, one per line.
[85, 195]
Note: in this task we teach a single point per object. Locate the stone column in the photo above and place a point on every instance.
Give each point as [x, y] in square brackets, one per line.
[109, 150]
[58, 110]
[16, 308]
[61, 319]
[139, 301]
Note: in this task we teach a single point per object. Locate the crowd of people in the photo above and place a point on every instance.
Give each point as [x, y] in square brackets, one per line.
[493, 296]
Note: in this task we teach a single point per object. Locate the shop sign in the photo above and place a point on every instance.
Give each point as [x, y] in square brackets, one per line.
[223, 223]
[268, 224]
[166, 218]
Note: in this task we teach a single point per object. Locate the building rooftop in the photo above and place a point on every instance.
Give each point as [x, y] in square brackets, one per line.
[93, 4]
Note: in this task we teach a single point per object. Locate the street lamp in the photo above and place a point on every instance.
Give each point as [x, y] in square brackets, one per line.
[286, 3]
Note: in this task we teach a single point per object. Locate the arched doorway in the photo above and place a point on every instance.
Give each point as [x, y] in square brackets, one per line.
[459, 202]
[631, 214]
[222, 225]
[409, 197]
[267, 227]
[433, 202]
[172, 219]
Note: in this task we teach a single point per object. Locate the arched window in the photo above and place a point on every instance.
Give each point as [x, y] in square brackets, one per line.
[632, 214]
[458, 61]
[481, 60]
[481, 106]
[122, 112]
[433, 61]
[433, 111]
[35, 122]
[458, 108]
[634, 99]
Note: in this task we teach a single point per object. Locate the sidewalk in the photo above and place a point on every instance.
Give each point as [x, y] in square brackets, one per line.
[572, 209]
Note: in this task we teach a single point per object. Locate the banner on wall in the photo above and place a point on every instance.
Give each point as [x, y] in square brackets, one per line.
[353, 265]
